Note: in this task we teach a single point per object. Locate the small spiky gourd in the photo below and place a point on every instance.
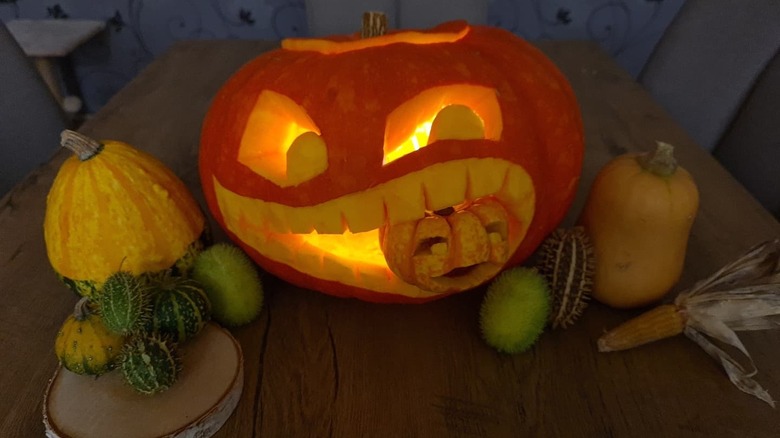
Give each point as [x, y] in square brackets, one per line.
[124, 305]
[231, 282]
[180, 308]
[515, 310]
[150, 364]
[567, 262]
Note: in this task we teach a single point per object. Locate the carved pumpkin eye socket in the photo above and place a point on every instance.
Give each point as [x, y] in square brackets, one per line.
[281, 142]
[460, 112]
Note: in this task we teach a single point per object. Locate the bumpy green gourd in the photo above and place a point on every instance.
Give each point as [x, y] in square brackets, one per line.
[515, 310]
[124, 305]
[150, 364]
[180, 308]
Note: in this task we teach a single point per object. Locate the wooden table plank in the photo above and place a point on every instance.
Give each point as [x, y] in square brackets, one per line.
[321, 366]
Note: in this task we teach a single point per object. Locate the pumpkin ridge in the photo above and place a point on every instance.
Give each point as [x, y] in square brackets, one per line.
[154, 167]
[59, 234]
[163, 242]
[70, 196]
[150, 202]
[83, 225]
[140, 205]
[83, 179]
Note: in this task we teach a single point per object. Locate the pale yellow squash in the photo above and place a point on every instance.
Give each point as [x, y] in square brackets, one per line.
[639, 215]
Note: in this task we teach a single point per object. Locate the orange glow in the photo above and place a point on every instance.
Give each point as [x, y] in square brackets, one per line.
[328, 47]
[354, 248]
[274, 123]
[409, 125]
[417, 140]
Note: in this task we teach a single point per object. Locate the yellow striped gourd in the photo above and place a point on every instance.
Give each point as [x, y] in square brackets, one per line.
[112, 206]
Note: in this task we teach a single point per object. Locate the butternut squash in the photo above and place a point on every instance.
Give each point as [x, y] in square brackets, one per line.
[639, 214]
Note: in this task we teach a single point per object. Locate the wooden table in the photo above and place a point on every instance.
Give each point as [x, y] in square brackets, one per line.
[321, 366]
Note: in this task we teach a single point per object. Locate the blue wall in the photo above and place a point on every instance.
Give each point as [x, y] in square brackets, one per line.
[139, 30]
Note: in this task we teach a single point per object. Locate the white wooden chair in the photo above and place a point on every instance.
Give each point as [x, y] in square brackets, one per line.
[717, 71]
[30, 118]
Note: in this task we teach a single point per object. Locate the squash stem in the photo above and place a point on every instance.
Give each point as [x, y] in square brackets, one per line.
[81, 310]
[374, 24]
[661, 161]
[83, 146]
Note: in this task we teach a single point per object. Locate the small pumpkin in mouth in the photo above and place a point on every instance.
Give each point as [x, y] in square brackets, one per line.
[401, 167]
[450, 249]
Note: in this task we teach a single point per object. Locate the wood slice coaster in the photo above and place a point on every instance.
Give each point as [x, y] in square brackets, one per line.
[197, 405]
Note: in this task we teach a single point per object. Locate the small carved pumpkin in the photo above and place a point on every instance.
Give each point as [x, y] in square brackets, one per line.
[401, 167]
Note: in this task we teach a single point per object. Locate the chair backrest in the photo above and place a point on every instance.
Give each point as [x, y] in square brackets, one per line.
[708, 60]
[717, 71]
[750, 149]
[30, 119]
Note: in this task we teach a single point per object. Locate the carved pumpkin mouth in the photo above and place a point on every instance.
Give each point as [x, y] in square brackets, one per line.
[342, 239]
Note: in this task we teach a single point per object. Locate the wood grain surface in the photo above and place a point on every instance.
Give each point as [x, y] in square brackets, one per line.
[326, 367]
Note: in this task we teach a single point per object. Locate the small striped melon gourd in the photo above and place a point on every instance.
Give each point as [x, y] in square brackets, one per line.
[180, 308]
[150, 364]
[84, 345]
[113, 206]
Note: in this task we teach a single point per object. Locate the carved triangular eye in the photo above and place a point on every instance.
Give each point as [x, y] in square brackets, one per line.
[460, 112]
[281, 142]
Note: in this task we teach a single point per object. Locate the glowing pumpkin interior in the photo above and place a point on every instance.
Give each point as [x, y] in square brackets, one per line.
[443, 228]
[341, 238]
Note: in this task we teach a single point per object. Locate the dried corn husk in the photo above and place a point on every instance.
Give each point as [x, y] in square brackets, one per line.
[743, 295]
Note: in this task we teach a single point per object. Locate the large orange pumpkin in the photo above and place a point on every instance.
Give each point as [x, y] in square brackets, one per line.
[402, 167]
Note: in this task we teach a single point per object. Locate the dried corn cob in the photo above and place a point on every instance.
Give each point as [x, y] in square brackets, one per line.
[659, 323]
[743, 295]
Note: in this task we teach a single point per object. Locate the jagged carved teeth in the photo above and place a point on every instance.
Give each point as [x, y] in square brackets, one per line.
[306, 237]
[400, 200]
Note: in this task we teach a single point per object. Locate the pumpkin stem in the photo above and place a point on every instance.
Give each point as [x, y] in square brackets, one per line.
[80, 144]
[81, 310]
[661, 161]
[374, 24]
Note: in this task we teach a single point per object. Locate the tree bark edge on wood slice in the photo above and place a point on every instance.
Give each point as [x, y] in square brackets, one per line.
[212, 385]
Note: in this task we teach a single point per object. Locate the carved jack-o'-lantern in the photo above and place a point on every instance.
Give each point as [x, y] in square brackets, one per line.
[401, 167]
